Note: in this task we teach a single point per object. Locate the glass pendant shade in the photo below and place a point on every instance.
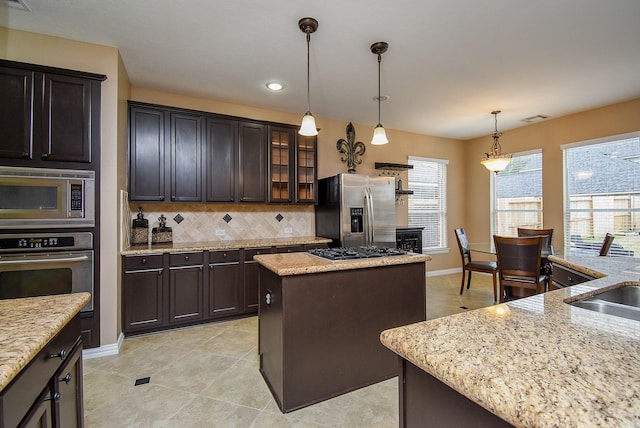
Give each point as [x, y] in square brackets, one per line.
[379, 136]
[496, 164]
[308, 126]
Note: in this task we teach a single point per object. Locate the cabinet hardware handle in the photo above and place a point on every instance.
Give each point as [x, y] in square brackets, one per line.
[46, 155]
[66, 379]
[267, 298]
[173, 198]
[144, 261]
[25, 155]
[186, 258]
[161, 198]
[224, 255]
[62, 355]
[54, 397]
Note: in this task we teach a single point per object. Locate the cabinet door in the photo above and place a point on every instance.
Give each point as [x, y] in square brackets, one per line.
[280, 150]
[251, 170]
[225, 287]
[66, 119]
[222, 159]
[186, 297]
[306, 170]
[41, 413]
[251, 277]
[16, 109]
[142, 298]
[186, 158]
[147, 154]
[68, 409]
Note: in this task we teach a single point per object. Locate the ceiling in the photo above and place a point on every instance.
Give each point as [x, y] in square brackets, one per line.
[449, 63]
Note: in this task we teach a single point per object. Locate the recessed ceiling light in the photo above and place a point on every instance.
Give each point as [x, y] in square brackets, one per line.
[275, 86]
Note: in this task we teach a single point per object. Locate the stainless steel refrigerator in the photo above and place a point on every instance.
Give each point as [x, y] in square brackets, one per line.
[355, 210]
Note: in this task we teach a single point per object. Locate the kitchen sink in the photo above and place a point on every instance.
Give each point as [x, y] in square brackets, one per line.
[622, 302]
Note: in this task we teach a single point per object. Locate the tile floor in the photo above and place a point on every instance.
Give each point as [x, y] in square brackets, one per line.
[207, 376]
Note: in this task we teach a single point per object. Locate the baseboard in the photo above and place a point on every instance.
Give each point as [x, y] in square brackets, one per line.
[103, 351]
[443, 272]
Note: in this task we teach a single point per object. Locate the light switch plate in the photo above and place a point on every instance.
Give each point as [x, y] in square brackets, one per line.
[220, 232]
[288, 230]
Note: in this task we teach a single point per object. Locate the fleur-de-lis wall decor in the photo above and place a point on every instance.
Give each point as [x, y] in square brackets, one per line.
[351, 149]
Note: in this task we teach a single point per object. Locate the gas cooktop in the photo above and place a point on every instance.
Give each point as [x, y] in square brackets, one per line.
[350, 253]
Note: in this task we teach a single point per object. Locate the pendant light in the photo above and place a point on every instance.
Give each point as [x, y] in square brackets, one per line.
[379, 134]
[308, 126]
[494, 160]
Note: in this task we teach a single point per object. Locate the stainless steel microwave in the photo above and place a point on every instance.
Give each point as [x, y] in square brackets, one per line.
[46, 198]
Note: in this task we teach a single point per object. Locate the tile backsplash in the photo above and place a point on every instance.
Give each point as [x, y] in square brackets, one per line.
[219, 222]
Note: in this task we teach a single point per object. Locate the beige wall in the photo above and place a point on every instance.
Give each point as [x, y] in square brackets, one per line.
[56, 52]
[548, 135]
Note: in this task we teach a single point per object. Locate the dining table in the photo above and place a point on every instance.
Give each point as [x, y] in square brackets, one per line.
[490, 248]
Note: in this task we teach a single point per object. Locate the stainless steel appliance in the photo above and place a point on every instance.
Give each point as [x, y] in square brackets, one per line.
[46, 198]
[355, 210]
[351, 253]
[46, 263]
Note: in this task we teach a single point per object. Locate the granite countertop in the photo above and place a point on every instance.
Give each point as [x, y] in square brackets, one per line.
[286, 264]
[539, 362]
[28, 324]
[221, 245]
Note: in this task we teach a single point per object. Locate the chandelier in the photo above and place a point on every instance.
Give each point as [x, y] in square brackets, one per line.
[494, 160]
[308, 126]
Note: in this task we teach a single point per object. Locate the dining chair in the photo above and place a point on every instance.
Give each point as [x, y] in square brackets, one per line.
[469, 265]
[606, 244]
[519, 263]
[547, 245]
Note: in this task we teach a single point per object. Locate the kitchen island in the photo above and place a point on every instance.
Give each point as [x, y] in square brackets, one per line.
[41, 358]
[534, 362]
[320, 322]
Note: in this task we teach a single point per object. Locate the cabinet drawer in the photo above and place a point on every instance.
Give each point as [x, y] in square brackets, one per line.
[186, 259]
[565, 277]
[17, 398]
[290, 249]
[143, 262]
[224, 256]
[250, 252]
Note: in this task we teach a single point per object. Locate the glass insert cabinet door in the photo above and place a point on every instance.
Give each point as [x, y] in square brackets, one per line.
[292, 166]
[306, 169]
[280, 146]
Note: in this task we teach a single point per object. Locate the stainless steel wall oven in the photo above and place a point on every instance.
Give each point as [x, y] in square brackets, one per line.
[46, 263]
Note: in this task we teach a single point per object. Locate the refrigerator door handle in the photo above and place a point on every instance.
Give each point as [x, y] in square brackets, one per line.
[369, 222]
[366, 216]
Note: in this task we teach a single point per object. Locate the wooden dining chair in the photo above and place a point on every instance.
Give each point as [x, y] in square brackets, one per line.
[547, 234]
[519, 263]
[469, 265]
[606, 244]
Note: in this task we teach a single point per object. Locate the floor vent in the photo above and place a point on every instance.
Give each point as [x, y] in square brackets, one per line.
[142, 381]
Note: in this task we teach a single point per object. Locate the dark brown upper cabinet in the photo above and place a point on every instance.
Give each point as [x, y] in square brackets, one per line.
[165, 155]
[179, 155]
[49, 115]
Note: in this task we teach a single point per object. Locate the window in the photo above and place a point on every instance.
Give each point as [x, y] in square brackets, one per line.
[602, 194]
[517, 195]
[428, 203]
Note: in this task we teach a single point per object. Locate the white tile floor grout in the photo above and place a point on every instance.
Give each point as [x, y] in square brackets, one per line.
[207, 376]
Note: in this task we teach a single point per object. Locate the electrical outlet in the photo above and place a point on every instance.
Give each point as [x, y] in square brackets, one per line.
[288, 230]
[220, 232]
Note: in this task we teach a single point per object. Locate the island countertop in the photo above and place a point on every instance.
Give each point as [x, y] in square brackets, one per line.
[286, 264]
[28, 324]
[221, 245]
[539, 362]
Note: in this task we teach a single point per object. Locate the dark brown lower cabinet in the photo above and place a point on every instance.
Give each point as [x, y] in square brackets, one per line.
[225, 286]
[251, 277]
[48, 391]
[142, 292]
[426, 402]
[319, 334]
[563, 276]
[186, 287]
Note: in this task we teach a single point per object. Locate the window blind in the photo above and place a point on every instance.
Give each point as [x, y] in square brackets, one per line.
[427, 206]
